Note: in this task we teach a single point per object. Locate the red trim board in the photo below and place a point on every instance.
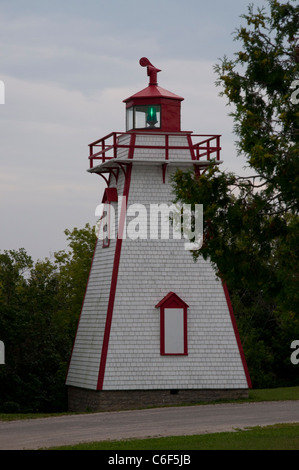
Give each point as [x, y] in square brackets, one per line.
[234, 323]
[114, 279]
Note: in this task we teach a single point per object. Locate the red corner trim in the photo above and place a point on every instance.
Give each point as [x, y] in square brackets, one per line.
[234, 323]
[191, 147]
[132, 146]
[114, 281]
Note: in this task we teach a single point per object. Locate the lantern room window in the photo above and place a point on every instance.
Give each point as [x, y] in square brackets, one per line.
[143, 117]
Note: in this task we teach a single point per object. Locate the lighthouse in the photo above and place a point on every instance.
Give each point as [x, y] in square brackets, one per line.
[155, 327]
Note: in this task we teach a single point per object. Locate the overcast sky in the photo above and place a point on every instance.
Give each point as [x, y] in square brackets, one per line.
[67, 66]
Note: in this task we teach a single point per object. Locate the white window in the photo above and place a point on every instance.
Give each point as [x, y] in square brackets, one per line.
[173, 325]
[173, 331]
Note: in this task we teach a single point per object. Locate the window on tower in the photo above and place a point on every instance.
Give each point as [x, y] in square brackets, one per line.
[173, 325]
[143, 117]
[106, 224]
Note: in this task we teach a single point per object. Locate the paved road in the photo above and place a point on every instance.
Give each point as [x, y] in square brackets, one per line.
[47, 432]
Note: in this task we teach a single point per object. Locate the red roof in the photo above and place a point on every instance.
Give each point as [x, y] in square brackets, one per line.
[154, 91]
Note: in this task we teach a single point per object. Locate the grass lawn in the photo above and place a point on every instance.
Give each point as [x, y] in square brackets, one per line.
[277, 437]
[273, 394]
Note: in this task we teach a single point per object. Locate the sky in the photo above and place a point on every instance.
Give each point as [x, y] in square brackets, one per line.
[67, 66]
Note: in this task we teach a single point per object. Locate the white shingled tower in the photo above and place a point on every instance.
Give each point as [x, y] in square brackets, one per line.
[155, 326]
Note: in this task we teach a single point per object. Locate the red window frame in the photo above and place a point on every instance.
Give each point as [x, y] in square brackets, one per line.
[172, 300]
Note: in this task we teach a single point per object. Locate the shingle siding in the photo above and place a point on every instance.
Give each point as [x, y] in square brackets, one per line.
[148, 270]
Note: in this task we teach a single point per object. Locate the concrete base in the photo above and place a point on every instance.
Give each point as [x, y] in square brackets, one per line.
[82, 400]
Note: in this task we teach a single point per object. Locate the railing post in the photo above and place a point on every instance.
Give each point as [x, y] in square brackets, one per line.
[218, 147]
[114, 145]
[90, 157]
[103, 150]
[166, 146]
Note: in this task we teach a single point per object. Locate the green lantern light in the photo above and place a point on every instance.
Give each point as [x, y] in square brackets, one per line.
[151, 118]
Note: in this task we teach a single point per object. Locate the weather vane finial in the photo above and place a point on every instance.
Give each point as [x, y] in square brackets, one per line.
[151, 70]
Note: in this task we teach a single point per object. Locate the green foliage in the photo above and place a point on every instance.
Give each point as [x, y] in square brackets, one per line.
[39, 309]
[258, 82]
[251, 223]
[73, 266]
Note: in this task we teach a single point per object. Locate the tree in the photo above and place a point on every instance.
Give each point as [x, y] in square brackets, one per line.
[251, 222]
[39, 309]
[74, 266]
[266, 118]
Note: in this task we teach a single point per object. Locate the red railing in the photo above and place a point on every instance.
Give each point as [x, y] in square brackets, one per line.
[106, 148]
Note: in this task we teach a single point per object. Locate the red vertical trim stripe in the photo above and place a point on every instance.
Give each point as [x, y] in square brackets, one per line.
[191, 147]
[132, 146]
[114, 279]
[234, 323]
[162, 332]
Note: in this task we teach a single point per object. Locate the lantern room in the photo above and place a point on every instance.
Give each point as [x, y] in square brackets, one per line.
[153, 108]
